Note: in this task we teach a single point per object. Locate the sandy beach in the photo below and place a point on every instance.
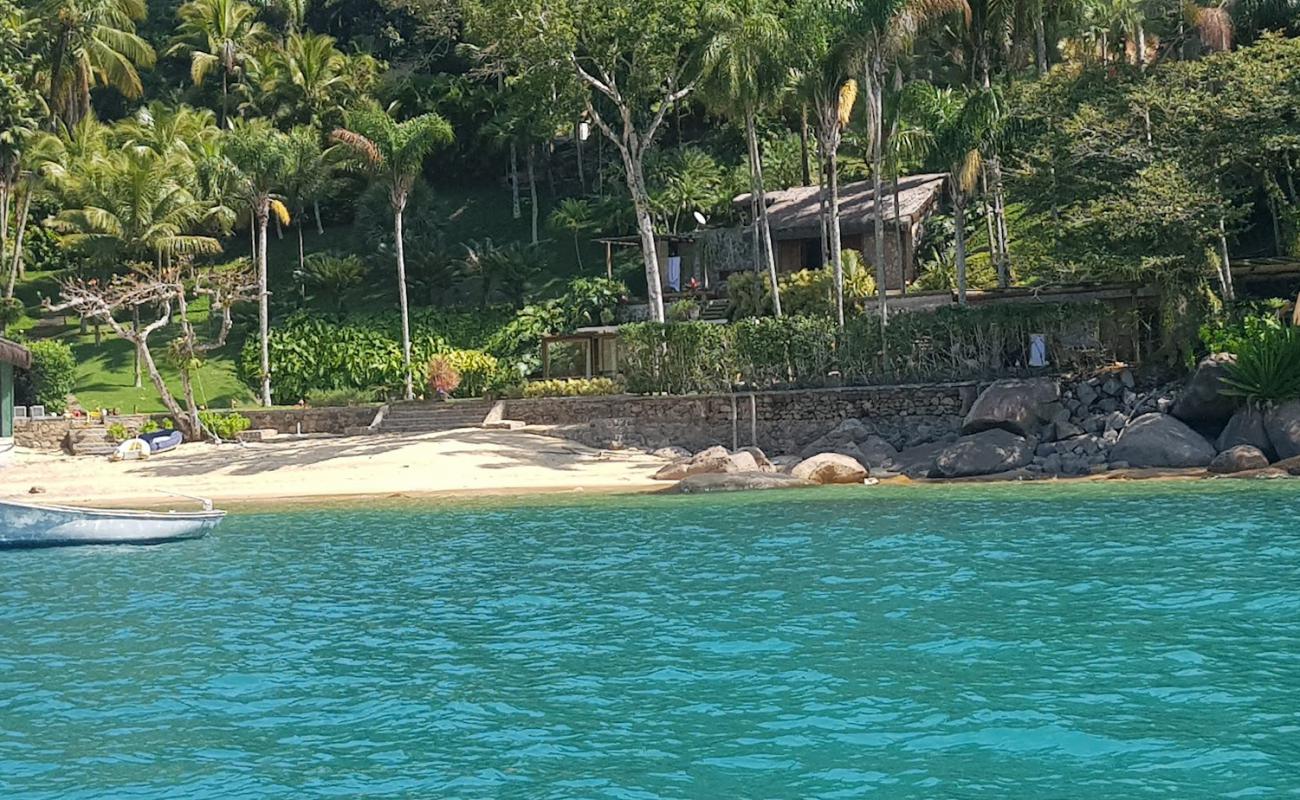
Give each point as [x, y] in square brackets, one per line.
[457, 462]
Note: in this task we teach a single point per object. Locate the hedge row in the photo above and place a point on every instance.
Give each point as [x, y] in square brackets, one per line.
[765, 352]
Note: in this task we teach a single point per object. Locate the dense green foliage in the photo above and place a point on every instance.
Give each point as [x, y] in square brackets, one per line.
[765, 352]
[225, 425]
[50, 380]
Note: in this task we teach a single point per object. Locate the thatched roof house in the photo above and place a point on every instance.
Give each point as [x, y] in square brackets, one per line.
[795, 217]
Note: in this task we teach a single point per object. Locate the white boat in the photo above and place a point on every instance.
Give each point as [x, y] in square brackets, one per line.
[29, 525]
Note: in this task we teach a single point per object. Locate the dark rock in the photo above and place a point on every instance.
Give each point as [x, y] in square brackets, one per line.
[1108, 405]
[1052, 464]
[1126, 378]
[1238, 459]
[1116, 421]
[1087, 394]
[984, 453]
[830, 468]
[1112, 387]
[785, 463]
[1046, 449]
[738, 482]
[1283, 426]
[1158, 440]
[1202, 404]
[1247, 427]
[1015, 405]
[917, 462]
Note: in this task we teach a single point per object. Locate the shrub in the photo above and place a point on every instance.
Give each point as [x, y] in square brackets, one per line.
[224, 425]
[573, 387]
[1267, 369]
[475, 368]
[442, 377]
[327, 398]
[11, 311]
[149, 426]
[118, 432]
[684, 310]
[679, 358]
[591, 301]
[52, 377]
[1240, 324]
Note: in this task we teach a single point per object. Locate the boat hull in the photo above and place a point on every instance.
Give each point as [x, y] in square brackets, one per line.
[24, 525]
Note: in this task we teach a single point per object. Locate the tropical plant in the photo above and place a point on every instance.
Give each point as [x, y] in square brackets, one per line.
[51, 377]
[1267, 367]
[224, 425]
[501, 270]
[392, 153]
[218, 35]
[334, 274]
[573, 387]
[574, 216]
[309, 81]
[475, 368]
[442, 377]
[333, 398]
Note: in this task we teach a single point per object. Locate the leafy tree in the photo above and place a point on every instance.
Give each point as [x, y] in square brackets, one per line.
[309, 81]
[392, 153]
[218, 35]
[332, 274]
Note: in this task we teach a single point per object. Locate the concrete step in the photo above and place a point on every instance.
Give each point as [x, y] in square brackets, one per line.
[425, 428]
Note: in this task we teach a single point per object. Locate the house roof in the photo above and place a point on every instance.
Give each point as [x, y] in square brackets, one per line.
[13, 353]
[796, 213]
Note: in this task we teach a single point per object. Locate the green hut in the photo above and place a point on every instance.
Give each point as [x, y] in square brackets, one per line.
[11, 355]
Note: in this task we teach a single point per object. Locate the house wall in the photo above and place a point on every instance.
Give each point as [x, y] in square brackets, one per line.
[790, 256]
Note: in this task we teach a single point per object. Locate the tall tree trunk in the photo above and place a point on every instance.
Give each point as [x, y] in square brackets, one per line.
[5, 193]
[263, 301]
[577, 142]
[315, 205]
[823, 206]
[875, 96]
[1141, 47]
[17, 267]
[577, 249]
[645, 229]
[224, 91]
[837, 254]
[515, 210]
[959, 223]
[1000, 222]
[532, 190]
[135, 326]
[1229, 293]
[805, 158]
[761, 224]
[399, 206]
[1040, 39]
[904, 258]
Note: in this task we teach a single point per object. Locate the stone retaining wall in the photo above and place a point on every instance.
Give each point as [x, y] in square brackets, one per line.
[779, 422]
[52, 434]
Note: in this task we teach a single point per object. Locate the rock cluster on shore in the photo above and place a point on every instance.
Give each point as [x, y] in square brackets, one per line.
[1040, 427]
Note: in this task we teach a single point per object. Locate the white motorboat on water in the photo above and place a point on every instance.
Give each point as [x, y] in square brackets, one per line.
[30, 525]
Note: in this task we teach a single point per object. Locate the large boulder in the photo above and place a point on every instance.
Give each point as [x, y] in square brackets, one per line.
[1238, 459]
[852, 438]
[1246, 427]
[738, 482]
[984, 453]
[1283, 426]
[1202, 403]
[830, 468]
[1159, 440]
[709, 462]
[760, 458]
[917, 462]
[1016, 405]
[672, 453]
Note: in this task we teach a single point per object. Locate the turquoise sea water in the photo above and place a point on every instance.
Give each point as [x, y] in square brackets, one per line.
[958, 642]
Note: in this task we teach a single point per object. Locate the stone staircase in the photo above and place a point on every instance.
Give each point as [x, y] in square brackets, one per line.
[430, 417]
[714, 310]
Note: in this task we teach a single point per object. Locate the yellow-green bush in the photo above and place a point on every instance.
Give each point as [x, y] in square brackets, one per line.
[572, 387]
[476, 370]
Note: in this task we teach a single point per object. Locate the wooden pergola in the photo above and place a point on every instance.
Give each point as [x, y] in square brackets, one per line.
[599, 356]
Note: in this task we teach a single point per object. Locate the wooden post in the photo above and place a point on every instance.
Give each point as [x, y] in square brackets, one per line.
[587, 347]
[546, 359]
[753, 419]
[609, 260]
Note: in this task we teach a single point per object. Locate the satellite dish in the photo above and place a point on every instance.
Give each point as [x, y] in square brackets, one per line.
[700, 218]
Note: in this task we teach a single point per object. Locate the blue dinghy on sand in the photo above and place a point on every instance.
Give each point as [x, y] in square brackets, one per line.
[162, 441]
[28, 525]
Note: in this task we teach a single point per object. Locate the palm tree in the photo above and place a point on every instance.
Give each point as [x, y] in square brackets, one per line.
[958, 126]
[574, 215]
[309, 81]
[91, 43]
[885, 31]
[309, 175]
[744, 68]
[260, 155]
[218, 35]
[393, 154]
